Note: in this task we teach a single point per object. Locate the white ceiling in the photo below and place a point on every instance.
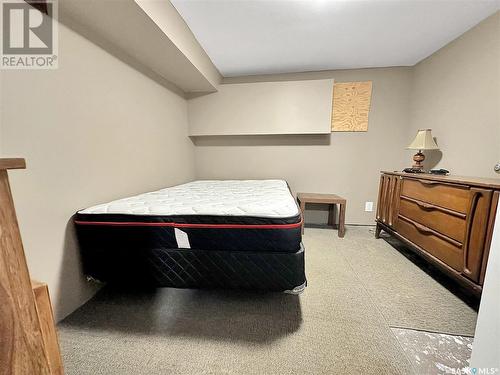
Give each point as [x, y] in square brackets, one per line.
[245, 37]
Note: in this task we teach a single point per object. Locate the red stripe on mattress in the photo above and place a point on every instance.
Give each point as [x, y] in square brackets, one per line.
[184, 225]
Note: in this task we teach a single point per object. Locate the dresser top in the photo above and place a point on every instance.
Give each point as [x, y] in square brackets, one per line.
[492, 183]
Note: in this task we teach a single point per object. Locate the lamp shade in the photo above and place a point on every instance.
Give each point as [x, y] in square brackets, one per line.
[423, 141]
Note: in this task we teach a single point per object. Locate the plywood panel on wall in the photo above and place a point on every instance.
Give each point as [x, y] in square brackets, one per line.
[351, 106]
[288, 107]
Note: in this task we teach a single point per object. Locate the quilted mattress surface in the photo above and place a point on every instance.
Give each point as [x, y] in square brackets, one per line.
[258, 198]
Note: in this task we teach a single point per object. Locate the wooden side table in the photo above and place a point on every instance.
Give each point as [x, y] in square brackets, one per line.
[330, 199]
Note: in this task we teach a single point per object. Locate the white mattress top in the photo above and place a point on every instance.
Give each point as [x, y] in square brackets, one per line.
[261, 198]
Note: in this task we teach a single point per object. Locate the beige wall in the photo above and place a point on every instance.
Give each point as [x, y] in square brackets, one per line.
[344, 163]
[456, 92]
[93, 130]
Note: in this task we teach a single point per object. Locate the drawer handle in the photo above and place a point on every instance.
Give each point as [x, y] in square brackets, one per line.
[421, 228]
[427, 182]
[425, 206]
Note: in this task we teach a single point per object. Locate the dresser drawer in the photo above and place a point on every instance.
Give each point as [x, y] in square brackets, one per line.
[447, 223]
[453, 197]
[435, 245]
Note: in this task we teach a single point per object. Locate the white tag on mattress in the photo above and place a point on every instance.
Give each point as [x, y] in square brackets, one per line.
[182, 239]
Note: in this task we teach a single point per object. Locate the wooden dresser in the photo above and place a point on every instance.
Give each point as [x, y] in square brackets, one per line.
[446, 219]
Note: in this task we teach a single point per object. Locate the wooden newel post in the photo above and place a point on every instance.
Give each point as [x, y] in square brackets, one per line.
[24, 349]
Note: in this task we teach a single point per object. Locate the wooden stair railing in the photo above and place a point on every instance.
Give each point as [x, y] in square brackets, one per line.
[28, 339]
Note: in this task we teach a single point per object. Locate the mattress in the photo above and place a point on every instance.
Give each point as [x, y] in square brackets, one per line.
[236, 234]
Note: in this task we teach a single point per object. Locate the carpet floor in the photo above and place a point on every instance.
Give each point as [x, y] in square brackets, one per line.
[358, 288]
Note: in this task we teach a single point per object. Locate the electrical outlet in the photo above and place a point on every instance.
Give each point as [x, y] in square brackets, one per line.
[368, 206]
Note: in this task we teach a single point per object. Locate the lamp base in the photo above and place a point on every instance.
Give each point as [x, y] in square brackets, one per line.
[418, 158]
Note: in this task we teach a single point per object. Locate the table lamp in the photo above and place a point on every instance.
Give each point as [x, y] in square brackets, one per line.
[423, 141]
